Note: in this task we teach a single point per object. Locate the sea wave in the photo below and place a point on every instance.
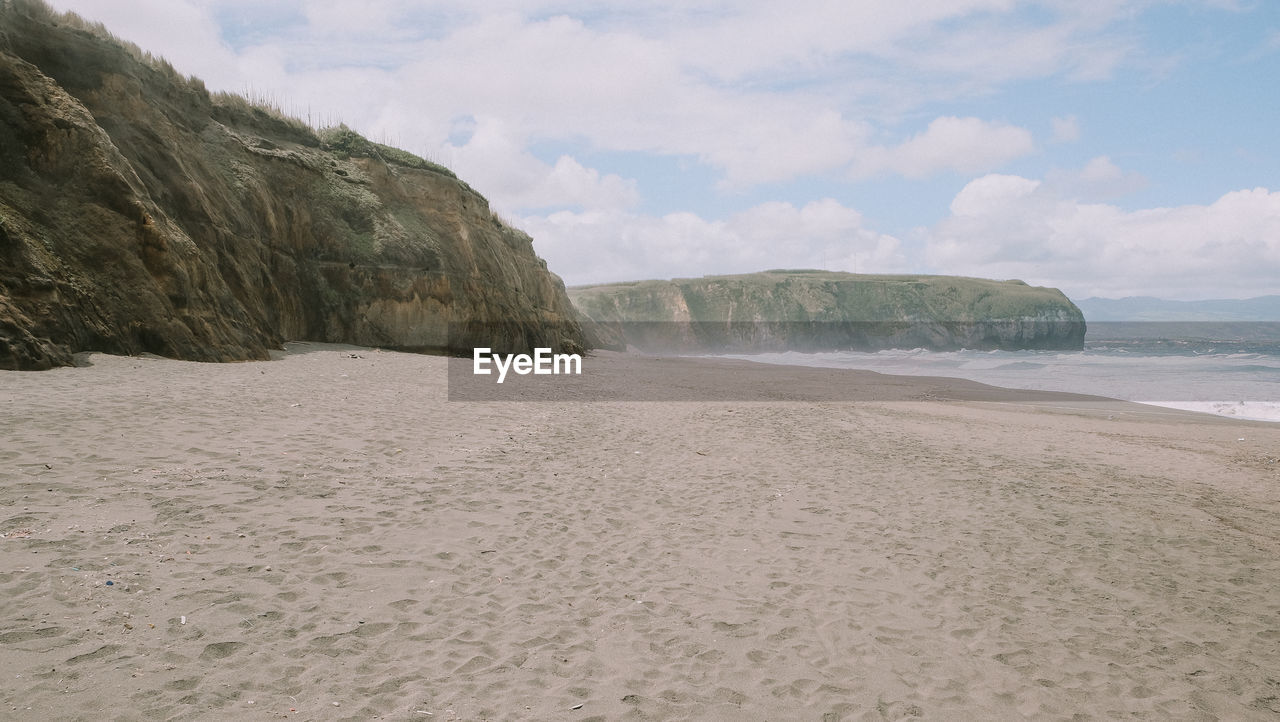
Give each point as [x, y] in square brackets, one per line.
[1252, 410]
[1241, 385]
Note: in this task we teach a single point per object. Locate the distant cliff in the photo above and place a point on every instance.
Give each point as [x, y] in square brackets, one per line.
[819, 310]
[138, 212]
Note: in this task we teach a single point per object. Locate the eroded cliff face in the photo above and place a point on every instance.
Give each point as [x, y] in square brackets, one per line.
[819, 310]
[140, 214]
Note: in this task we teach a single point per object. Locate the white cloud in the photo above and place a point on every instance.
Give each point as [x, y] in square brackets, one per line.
[570, 183]
[494, 160]
[599, 246]
[1064, 130]
[1100, 179]
[331, 19]
[1010, 227]
[750, 39]
[991, 194]
[760, 93]
[998, 49]
[964, 145]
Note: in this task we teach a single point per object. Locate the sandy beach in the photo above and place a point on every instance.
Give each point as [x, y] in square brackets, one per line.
[328, 536]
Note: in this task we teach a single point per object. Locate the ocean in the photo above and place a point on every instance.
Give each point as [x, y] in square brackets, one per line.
[1231, 378]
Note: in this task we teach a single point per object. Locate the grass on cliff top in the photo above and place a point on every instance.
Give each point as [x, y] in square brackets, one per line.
[38, 16]
[42, 14]
[774, 277]
[345, 142]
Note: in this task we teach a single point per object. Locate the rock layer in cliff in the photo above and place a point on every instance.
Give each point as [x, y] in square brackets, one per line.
[820, 310]
[140, 213]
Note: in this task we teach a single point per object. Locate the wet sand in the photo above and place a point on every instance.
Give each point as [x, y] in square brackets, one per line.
[328, 536]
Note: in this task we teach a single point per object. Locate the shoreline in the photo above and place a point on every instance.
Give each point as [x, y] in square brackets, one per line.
[328, 536]
[894, 387]
[1227, 405]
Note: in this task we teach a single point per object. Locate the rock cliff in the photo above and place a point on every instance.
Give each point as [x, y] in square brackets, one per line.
[140, 213]
[819, 310]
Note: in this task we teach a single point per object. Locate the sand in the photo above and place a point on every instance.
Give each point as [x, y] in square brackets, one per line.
[327, 536]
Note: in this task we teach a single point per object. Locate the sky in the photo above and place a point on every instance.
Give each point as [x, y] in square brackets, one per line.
[1104, 147]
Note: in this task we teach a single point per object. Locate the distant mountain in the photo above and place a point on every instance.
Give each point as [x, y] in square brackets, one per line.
[1146, 308]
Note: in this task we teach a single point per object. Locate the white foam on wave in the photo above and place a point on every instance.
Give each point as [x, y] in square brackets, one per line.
[1134, 377]
[1251, 410]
